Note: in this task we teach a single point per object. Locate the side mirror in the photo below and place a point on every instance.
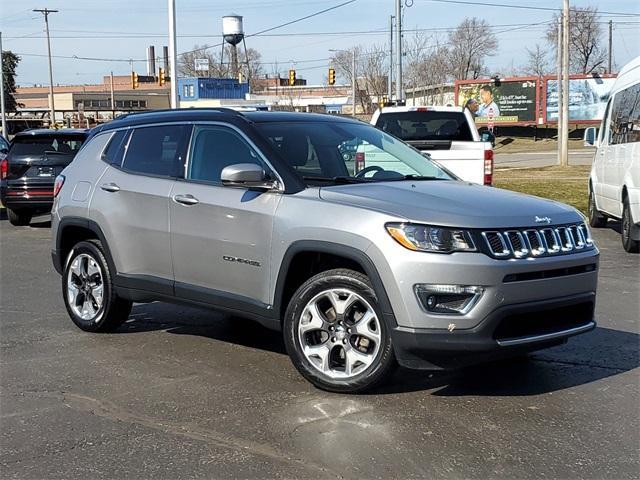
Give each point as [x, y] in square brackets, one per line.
[487, 136]
[591, 137]
[247, 175]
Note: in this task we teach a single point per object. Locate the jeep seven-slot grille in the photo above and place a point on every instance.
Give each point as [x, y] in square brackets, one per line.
[537, 242]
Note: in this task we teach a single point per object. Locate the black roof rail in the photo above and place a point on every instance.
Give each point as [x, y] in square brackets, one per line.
[191, 109]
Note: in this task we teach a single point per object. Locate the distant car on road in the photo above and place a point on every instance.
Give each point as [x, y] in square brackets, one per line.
[28, 171]
[614, 183]
[448, 134]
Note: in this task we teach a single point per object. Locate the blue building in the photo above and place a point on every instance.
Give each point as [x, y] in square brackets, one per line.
[196, 88]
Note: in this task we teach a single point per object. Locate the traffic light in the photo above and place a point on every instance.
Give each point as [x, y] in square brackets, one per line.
[161, 78]
[134, 80]
[332, 76]
[292, 78]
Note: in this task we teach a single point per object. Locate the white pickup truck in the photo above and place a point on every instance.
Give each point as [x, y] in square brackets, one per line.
[448, 134]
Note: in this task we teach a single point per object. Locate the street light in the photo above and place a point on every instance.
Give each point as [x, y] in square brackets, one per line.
[353, 75]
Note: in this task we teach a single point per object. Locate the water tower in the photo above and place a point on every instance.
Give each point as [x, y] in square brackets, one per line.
[233, 34]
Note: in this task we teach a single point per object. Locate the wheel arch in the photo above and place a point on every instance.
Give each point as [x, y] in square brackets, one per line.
[289, 278]
[72, 230]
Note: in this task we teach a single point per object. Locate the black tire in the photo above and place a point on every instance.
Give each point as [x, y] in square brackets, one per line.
[19, 218]
[596, 219]
[628, 227]
[384, 361]
[114, 310]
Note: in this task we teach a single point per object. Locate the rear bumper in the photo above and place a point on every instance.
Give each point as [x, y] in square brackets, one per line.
[37, 197]
[506, 331]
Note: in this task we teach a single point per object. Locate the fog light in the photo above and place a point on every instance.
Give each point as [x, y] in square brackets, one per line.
[448, 299]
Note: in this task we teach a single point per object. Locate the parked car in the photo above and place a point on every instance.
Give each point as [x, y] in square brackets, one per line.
[28, 171]
[447, 134]
[614, 183]
[257, 214]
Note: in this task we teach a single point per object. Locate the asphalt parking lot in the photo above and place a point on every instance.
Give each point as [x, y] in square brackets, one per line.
[182, 393]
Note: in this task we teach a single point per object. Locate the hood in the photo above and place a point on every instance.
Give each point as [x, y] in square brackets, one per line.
[452, 203]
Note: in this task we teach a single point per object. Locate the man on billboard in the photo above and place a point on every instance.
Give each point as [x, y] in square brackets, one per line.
[488, 108]
[472, 105]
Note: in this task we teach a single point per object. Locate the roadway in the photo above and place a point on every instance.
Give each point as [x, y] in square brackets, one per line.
[540, 159]
[180, 392]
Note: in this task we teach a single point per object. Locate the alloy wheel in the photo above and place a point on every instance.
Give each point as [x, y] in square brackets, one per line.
[85, 287]
[339, 333]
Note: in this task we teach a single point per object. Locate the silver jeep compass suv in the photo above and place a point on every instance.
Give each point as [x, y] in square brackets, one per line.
[363, 261]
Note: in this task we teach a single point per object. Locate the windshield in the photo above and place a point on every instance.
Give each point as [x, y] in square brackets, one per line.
[426, 125]
[321, 151]
[36, 146]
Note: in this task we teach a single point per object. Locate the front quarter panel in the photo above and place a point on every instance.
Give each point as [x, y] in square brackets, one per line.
[304, 217]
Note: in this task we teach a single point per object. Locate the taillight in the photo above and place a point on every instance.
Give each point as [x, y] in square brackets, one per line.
[57, 186]
[488, 167]
[4, 169]
[359, 161]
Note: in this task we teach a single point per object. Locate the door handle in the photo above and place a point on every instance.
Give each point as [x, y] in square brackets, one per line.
[186, 199]
[110, 187]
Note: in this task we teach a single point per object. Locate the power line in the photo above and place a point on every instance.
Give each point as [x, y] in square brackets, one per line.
[291, 22]
[525, 7]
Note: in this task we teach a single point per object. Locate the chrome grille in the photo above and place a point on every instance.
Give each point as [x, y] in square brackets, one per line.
[537, 242]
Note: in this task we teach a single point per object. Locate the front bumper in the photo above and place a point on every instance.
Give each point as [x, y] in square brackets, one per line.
[506, 331]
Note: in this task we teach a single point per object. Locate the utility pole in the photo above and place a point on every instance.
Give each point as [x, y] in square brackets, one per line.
[610, 46]
[354, 75]
[390, 79]
[559, 88]
[172, 54]
[399, 95]
[565, 85]
[4, 114]
[113, 102]
[46, 12]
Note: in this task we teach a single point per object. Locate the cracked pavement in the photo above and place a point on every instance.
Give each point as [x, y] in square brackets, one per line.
[179, 392]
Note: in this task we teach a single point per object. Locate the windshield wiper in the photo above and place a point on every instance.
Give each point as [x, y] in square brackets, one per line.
[339, 179]
[414, 177]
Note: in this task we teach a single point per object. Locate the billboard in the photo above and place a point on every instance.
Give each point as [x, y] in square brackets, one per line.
[588, 98]
[505, 102]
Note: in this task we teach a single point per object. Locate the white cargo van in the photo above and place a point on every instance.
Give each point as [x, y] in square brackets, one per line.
[448, 134]
[614, 183]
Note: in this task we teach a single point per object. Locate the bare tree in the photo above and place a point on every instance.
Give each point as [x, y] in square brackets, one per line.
[371, 72]
[537, 62]
[220, 67]
[187, 61]
[416, 50]
[470, 43]
[586, 53]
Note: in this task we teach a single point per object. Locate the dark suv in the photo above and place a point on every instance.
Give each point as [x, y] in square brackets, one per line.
[29, 170]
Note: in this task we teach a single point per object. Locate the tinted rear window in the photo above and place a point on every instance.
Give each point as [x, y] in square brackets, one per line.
[115, 150]
[427, 125]
[157, 150]
[67, 145]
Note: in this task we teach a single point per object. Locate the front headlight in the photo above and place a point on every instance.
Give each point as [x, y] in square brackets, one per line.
[427, 238]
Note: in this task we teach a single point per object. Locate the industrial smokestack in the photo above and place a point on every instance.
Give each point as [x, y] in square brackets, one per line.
[165, 59]
[151, 61]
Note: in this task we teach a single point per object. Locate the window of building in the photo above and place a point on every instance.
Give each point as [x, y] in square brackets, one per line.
[215, 148]
[157, 150]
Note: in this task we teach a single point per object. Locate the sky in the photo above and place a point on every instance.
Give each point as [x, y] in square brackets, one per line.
[115, 31]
